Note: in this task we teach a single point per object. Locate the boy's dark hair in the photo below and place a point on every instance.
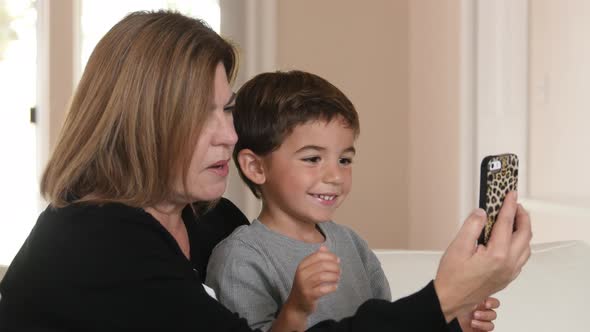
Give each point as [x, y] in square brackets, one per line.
[271, 105]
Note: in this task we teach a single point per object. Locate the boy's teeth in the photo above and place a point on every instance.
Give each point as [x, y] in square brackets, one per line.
[325, 197]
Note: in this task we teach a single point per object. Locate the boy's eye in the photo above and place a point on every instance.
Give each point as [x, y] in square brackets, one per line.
[312, 159]
[345, 161]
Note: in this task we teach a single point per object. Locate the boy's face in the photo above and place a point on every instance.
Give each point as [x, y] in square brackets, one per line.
[310, 174]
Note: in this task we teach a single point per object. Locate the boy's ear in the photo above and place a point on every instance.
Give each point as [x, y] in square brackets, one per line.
[251, 165]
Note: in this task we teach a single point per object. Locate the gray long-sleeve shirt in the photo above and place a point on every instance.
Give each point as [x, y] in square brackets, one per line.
[252, 273]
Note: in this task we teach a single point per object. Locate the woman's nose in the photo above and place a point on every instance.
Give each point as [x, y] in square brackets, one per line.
[226, 133]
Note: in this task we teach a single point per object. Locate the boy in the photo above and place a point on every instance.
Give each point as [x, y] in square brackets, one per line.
[295, 149]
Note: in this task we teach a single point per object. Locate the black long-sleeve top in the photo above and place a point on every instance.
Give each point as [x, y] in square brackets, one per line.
[113, 267]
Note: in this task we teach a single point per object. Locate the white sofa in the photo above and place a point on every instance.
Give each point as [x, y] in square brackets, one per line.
[551, 293]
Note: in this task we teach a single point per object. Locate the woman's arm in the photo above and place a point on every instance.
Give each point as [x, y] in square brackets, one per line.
[420, 311]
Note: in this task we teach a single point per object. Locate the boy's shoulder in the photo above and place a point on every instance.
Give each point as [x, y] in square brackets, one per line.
[243, 239]
[241, 234]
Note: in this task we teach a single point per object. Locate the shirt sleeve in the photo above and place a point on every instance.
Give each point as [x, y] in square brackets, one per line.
[379, 283]
[241, 280]
[420, 311]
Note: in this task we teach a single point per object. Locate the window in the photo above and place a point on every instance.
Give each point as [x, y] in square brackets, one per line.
[18, 173]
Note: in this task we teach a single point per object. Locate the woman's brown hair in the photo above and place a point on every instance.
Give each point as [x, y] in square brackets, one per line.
[137, 113]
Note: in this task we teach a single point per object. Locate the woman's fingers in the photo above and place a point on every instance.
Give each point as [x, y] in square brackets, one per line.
[482, 326]
[485, 315]
[501, 236]
[522, 235]
[491, 303]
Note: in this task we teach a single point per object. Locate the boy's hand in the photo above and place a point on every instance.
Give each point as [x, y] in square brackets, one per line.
[481, 318]
[316, 276]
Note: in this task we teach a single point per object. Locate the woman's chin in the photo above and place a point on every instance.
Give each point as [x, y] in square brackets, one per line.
[210, 194]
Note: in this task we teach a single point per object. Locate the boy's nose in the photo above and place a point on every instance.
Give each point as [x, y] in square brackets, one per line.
[333, 174]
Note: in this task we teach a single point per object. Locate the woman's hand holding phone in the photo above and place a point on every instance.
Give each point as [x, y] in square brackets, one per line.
[469, 273]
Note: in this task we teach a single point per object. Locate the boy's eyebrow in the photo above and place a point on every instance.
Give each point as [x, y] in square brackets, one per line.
[310, 147]
[350, 149]
[230, 104]
[319, 148]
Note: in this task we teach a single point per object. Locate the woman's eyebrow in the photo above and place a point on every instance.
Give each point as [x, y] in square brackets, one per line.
[230, 104]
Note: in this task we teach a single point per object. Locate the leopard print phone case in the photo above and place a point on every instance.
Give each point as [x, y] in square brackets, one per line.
[499, 175]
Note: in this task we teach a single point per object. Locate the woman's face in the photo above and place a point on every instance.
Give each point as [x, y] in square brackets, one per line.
[209, 167]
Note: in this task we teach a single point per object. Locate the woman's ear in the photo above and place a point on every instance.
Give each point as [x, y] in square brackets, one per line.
[251, 165]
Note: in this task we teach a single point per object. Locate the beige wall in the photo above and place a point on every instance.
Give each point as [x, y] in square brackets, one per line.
[58, 33]
[362, 49]
[399, 63]
[434, 122]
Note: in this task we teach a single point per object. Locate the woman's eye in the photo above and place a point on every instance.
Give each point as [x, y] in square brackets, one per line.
[345, 161]
[312, 159]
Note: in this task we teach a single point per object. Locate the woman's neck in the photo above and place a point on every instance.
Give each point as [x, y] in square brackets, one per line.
[170, 217]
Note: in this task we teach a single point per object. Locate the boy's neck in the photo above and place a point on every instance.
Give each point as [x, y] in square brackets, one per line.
[299, 230]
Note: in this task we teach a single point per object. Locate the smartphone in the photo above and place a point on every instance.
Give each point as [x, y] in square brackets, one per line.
[499, 175]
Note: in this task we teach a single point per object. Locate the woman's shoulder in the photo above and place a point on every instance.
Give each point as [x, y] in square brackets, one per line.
[90, 222]
[86, 213]
[93, 243]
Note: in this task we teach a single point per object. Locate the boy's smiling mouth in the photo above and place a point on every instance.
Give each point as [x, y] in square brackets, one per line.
[326, 199]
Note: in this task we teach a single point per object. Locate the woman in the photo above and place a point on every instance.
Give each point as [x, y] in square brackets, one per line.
[150, 131]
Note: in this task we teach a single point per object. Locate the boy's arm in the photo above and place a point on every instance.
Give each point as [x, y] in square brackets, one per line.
[243, 284]
[316, 275]
[289, 320]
